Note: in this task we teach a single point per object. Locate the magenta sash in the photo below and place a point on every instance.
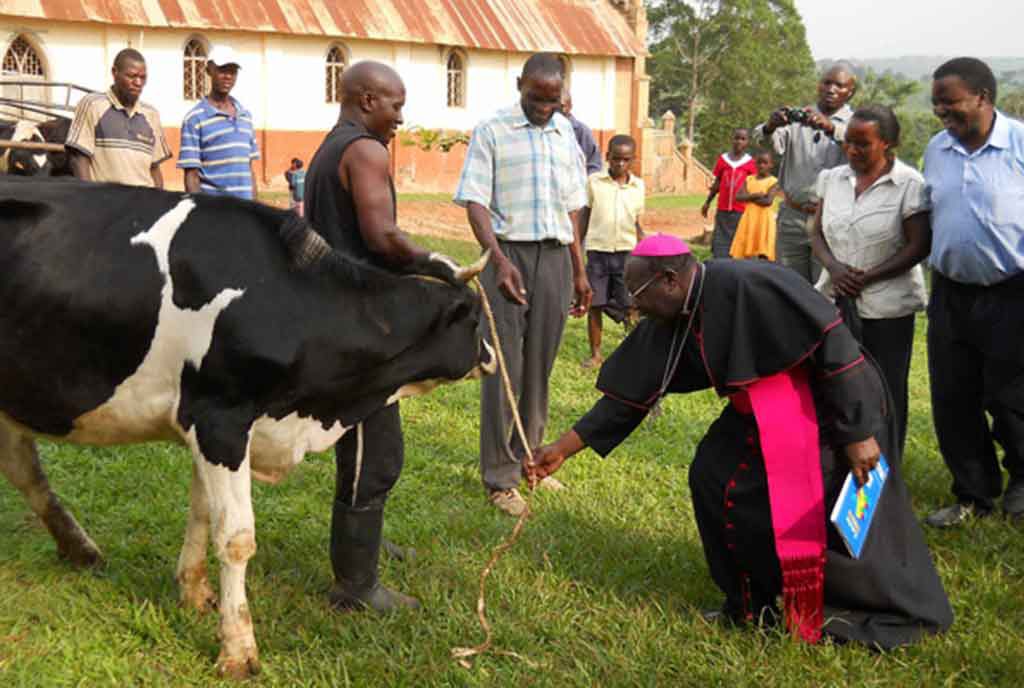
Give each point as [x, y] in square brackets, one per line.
[786, 421]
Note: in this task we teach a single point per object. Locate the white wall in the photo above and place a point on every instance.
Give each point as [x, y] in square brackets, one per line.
[282, 77]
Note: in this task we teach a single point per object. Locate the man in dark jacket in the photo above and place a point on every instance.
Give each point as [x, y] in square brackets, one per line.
[805, 406]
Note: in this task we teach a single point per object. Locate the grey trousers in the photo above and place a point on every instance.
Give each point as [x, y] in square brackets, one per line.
[530, 336]
[793, 243]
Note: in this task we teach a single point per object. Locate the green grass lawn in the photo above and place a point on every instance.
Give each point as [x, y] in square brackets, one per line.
[672, 202]
[603, 589]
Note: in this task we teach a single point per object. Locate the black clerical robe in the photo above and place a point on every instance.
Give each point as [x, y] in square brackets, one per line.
[753, 320]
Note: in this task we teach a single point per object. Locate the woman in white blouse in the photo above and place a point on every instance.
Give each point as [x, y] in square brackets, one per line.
[871, 232]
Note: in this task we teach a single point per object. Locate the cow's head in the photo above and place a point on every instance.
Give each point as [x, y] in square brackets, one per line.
[27, 163]
[408, 332]
[461, 321]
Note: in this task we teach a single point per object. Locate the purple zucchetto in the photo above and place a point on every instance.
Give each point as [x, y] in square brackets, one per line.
[658, 245]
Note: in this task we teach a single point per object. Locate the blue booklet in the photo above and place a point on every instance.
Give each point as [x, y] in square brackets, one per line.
[856, 506]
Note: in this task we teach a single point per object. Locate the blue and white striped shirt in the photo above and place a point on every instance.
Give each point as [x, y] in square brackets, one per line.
[221, 147]
[529, 177]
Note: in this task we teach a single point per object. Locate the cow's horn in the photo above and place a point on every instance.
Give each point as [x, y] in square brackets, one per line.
[468, 272]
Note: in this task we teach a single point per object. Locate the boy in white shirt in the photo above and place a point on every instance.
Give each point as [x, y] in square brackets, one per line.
[610, 227]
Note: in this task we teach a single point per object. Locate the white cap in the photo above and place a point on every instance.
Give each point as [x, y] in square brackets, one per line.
[222, 56]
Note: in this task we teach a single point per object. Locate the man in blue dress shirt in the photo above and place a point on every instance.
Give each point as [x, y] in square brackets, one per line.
[975, 175]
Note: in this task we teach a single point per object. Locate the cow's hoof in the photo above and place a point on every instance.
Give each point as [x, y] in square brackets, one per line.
[199, 597]
[81, 553]
[239, 668]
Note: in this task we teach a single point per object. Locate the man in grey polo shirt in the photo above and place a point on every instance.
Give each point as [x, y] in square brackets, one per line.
[807, 144]
[115, 137]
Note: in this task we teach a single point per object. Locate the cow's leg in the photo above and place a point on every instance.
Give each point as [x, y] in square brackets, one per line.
[229, 498]
[193, 583]
[19, 462]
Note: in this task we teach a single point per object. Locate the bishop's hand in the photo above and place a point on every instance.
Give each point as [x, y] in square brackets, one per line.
[546, 460]
[862, 457]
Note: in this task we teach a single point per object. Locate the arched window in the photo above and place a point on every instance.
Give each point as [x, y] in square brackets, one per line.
[21, 59]
[196, 81]
[335, 68]
[455, 68]
[22, 63]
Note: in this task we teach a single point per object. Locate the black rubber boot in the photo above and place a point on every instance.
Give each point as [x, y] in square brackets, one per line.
[355, 551]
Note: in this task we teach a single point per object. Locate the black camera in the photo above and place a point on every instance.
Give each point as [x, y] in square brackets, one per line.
[797, 115]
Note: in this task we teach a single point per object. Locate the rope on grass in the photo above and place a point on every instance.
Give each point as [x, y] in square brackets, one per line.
[462, 654]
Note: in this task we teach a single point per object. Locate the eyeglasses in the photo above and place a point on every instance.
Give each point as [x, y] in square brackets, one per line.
[640, 290]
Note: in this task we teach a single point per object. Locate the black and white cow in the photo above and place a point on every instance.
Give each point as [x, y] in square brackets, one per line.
[22, 162]
[130, 314]
[28, 163]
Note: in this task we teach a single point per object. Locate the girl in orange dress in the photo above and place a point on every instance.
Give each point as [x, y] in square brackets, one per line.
[755, 235]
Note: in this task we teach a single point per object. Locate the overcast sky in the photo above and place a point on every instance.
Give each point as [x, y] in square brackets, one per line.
[892, 28]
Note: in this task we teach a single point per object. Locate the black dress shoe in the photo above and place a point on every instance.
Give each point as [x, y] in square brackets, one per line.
[956, 515]
[1013, 500]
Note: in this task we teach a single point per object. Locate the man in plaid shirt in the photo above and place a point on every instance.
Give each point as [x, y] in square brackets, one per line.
[522, 184]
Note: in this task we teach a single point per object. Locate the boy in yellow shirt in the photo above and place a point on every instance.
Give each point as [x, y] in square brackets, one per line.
[610, 226]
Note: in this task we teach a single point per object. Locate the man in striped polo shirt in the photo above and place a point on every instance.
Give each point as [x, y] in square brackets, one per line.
[114, 136]
[218, 143]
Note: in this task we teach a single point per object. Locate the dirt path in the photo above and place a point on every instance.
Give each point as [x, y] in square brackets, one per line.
[442, 219]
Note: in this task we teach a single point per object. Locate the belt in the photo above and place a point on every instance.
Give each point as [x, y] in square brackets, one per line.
[543, 243]
[805, 208]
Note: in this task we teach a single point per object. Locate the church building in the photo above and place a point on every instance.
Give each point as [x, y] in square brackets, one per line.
[459, 60]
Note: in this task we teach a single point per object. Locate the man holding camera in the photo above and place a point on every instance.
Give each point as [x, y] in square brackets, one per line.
[807, 140]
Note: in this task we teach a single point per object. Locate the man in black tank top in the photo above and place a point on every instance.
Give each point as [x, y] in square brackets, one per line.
[350, 200]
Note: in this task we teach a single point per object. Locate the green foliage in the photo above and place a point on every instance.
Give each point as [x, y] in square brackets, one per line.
[1012, 103]
[887, 88]
[428, 139]
[603, 588]
[728, 64]
[916, 130]
[674, 201]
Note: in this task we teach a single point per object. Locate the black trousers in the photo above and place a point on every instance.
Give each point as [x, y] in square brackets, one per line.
[976, 364]
[890, 341]
[369, 459]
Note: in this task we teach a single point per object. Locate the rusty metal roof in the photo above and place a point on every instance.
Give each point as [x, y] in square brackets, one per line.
[580, 27]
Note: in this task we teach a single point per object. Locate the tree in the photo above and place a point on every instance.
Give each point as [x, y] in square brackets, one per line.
[1013, 103]
[727, 64]
[916, 129]
[887, 88]
[690, 40]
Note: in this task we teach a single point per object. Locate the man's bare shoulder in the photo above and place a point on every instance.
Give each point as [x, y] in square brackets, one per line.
[365, 152]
